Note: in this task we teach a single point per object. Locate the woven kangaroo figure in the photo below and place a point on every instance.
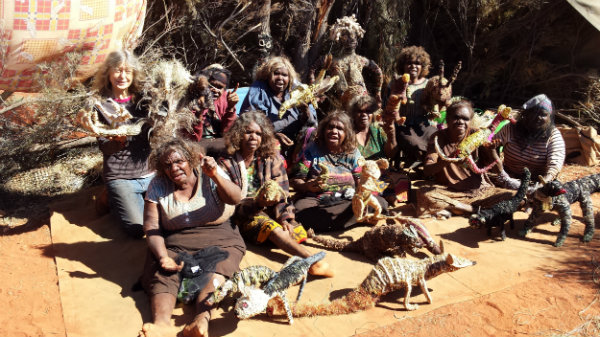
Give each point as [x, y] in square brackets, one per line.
[369, 183]
[388, 274]
[555, 195]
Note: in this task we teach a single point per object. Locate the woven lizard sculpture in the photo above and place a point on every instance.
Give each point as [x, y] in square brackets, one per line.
[256, 276]
[554, 195]
[473, 141]
[388, 274]
[407, 236]
[304, 94]
[271, 192]
[500, 213]
[367, 185]
[117, 116]
[254, 300]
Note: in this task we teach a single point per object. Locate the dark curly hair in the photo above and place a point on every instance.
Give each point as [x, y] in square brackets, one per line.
[189, 150]
[235, 135]
[413, 53]
[349, 143]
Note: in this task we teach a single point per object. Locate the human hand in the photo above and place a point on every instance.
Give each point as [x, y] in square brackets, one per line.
[399, 86]
[232, 97]
[209, 165]
[494, 143]
[287, 226]
[378, 99]
[313, 186]
[304, 112]
[167, 263]
[284, 139]
[120, 139]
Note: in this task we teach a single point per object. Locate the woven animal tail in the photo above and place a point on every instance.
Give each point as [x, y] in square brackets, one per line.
[334, 244]
[356, 300]
[524, 184]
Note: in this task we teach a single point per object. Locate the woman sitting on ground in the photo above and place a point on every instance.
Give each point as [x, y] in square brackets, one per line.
[327, 176]
[274, 81]
[456, 189]
[185, 211]
[533, 142]
[254, 160]
[125, 171]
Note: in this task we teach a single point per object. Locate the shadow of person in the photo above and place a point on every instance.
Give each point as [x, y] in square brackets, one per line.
[467, 236]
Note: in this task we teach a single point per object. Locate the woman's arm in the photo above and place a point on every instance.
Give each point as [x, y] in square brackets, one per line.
[228, 191]
[154, 237]
[556, 155]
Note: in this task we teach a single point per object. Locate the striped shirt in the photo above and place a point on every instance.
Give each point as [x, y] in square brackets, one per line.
[541, 157]
[204, 208]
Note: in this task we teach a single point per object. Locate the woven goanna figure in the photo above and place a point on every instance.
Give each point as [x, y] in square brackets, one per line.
[254, 300]
[388, 274]
[554, 195]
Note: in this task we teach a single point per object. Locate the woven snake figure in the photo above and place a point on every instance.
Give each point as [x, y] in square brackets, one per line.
[473, 141]
[254, 300]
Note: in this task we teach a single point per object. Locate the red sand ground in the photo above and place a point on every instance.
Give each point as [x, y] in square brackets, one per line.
[552, 303]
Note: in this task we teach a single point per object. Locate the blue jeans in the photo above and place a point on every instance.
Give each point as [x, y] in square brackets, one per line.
[126, 201]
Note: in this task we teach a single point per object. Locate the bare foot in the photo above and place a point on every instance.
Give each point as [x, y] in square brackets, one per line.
[198, 327]
[321, 268]
[158, 330]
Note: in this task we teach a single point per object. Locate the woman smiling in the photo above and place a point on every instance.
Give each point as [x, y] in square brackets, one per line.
[326, 177]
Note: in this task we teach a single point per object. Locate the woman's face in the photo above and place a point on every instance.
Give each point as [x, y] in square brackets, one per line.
[458, 123]
[252, 138]
[216, 87]
[413, 68]
[537, 120]
[334, 135]
[177, 168]
[120, 77]
[280, 77]
[362, 116]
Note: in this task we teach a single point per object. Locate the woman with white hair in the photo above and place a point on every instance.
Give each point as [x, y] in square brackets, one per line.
[125, 171]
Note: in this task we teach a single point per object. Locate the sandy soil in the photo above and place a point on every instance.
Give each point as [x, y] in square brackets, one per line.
[559, 302]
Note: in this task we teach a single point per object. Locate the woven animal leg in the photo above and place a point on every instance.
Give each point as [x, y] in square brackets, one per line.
[358, 208]
[301, 288]
[376, 207]
[425, 291]
[407, 304]
[530, 222]
[588, 218]
[286, 306]
[564, 211]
